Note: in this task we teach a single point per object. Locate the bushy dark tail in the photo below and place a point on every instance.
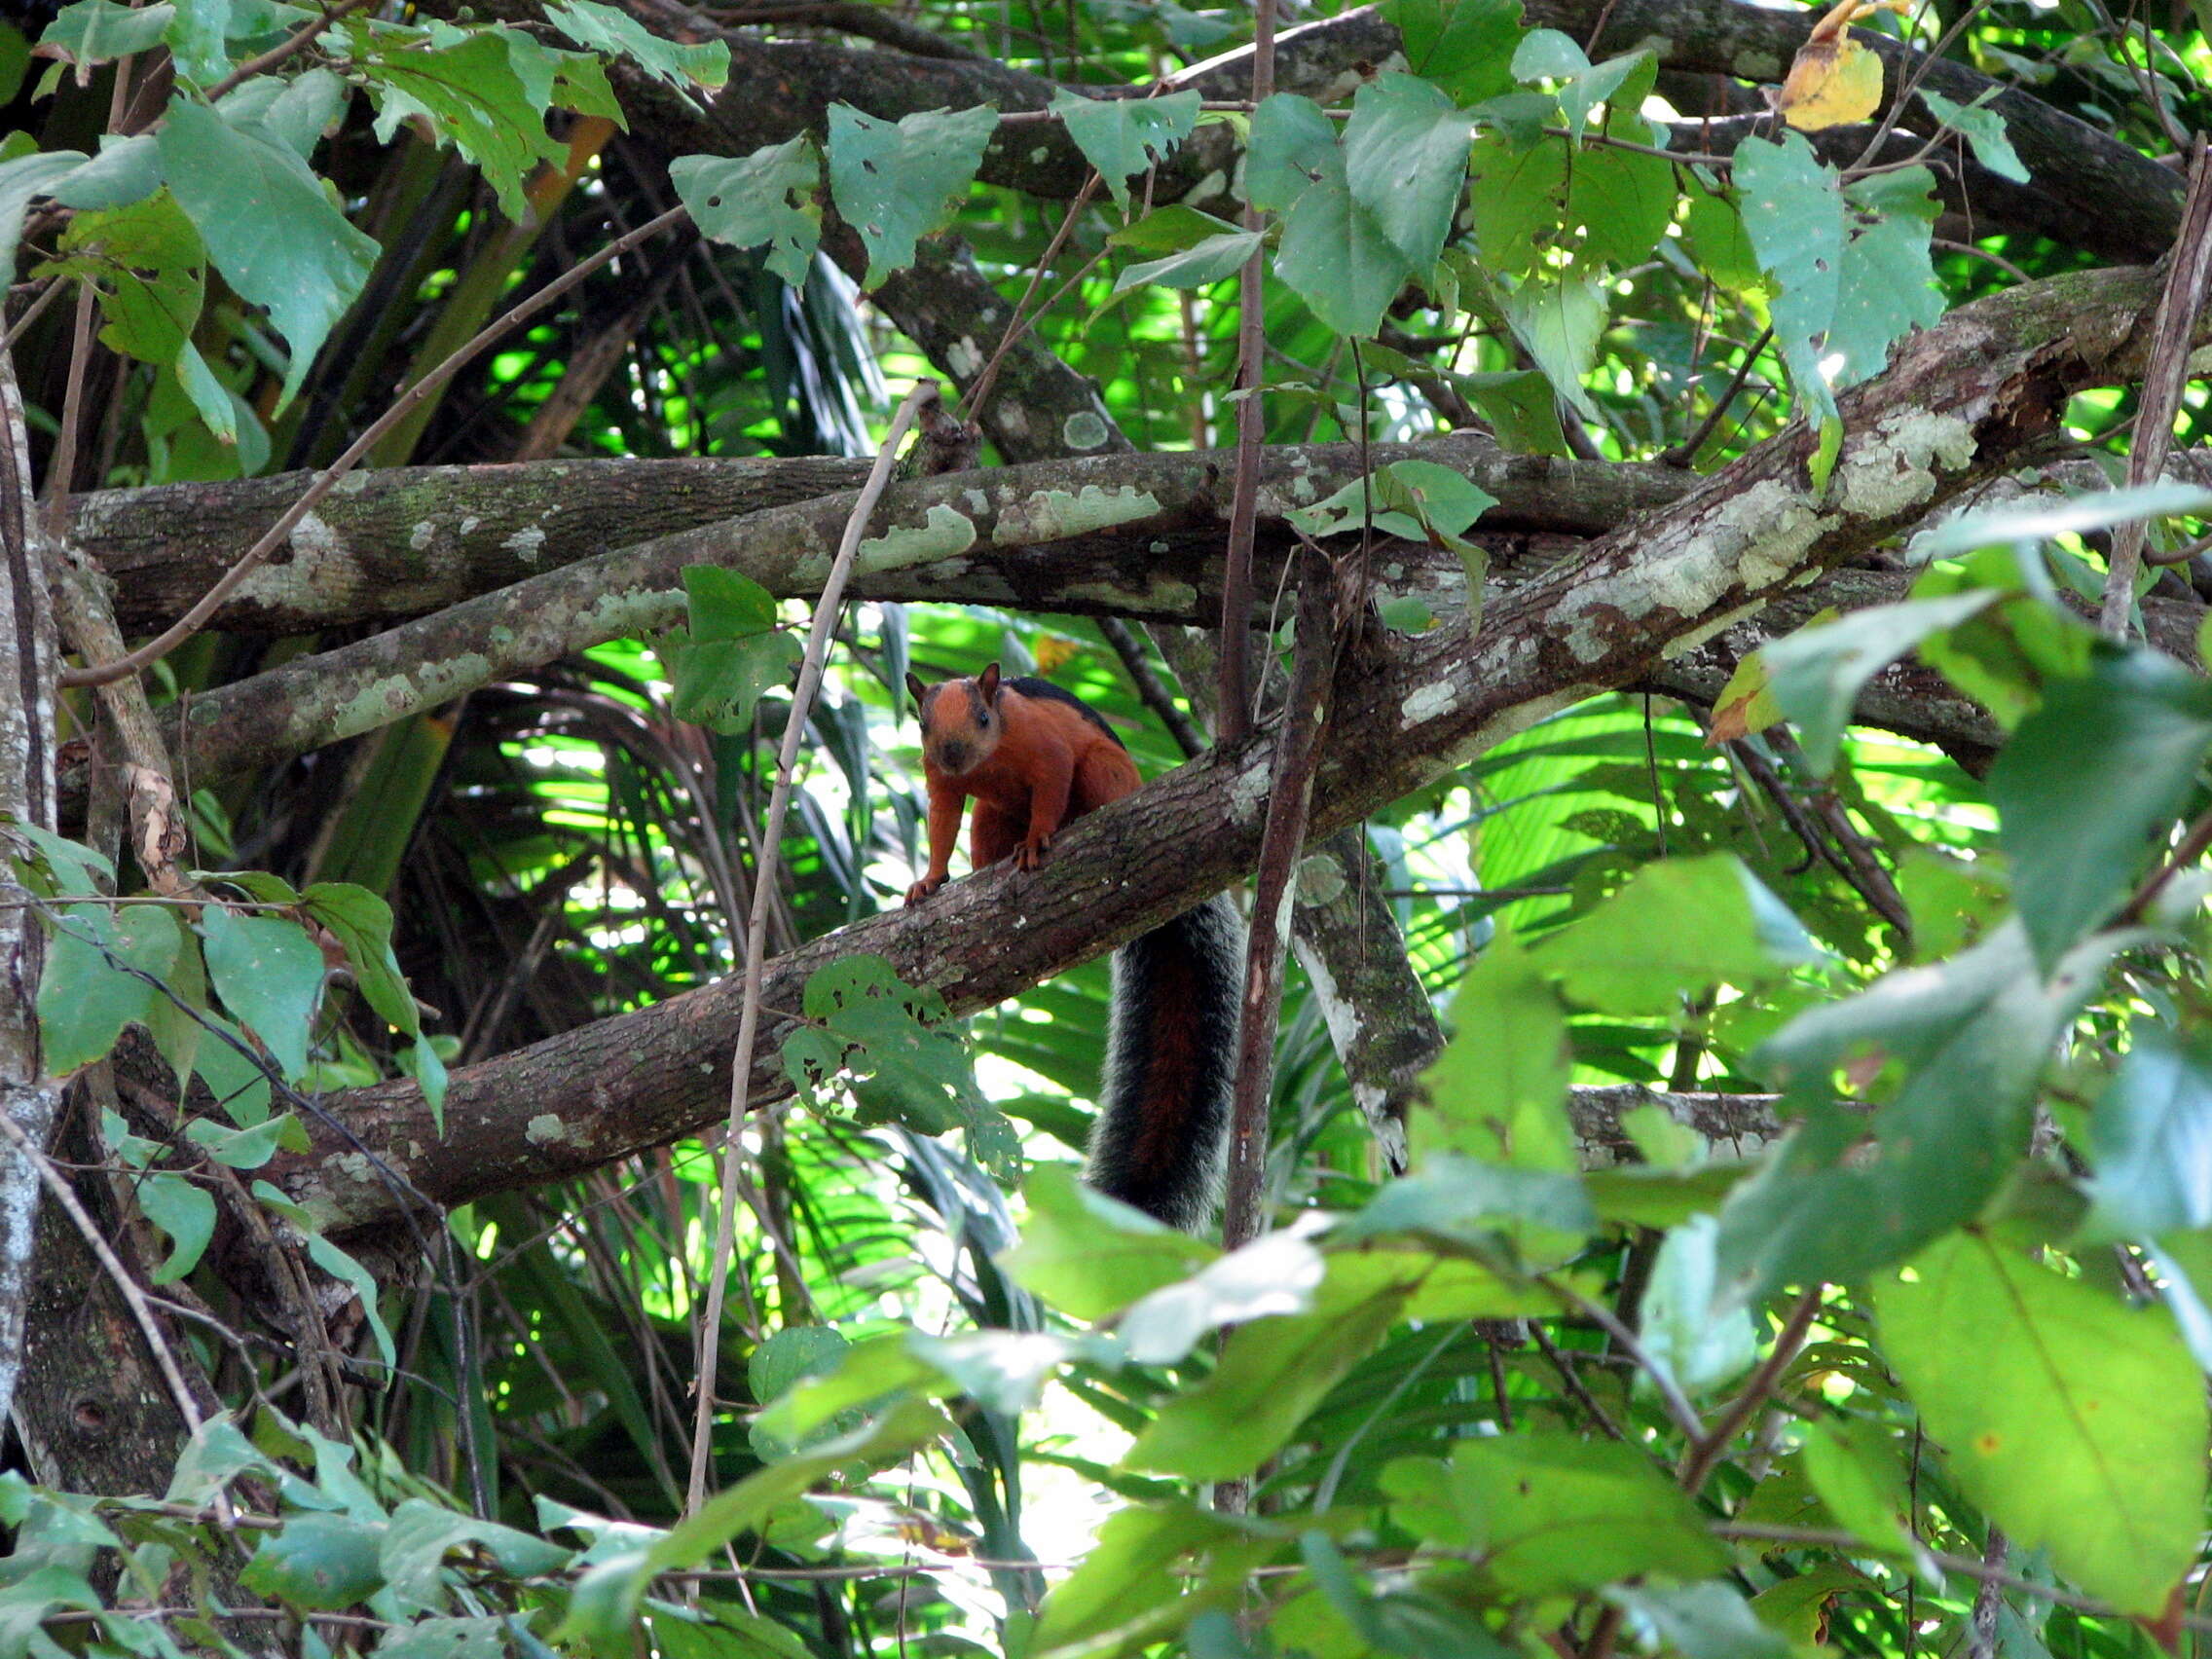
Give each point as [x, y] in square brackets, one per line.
[1170, 1063]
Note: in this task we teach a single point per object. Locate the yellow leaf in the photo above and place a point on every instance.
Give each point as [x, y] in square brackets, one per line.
[1053, 651]
[1832, 83]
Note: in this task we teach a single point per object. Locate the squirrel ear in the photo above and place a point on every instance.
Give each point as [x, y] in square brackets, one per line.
[988, 682]
[915, 686]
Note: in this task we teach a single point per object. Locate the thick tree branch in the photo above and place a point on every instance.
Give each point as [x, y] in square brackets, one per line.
[1014, 525]
[1958, 405]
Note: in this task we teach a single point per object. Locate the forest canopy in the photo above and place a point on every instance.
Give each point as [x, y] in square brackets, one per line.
[1657, 552]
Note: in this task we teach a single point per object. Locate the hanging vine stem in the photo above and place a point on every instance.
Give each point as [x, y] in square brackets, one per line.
[756, 925]
[1233, 712]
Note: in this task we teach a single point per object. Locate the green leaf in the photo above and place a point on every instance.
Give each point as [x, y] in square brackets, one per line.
[717, 682]
[151, 270]
[767, 197]
[1339, 258]
[898, 1068]
[23, 179]
[2087, 780]
[362, 922]
[1552, 1514]
[1888, 284]
[1623, 200]
[1982, 129]
[1204, 263]
[2077, 1422]
[1855, 1468]
[1168, 230]
[1123, 137]
[270, 229]
[468, 94]
[1497, 1092]
[612, 30]
[1714, 232]
[321, 1563]
[1405, 160]
[268, 973]
[75, 868]
[1815, 675]
[239, 1086]
[1128, 1593]
[195, 38]
[1273, 1372]
[1091, 1257]
[1561, 324]
[1514, 199]
[421, 1534]
[1680, 926]
[725, 605]
[334, 1261]
[250, 1148]
[1971, 1035]
[1462, 47]
[1700, 1343]
[1293, 144]
[1417, 499]
[892, 180]
[1400, 1622]
[2151, 1140]
[792, 1356]
[2027, 524]
[84, 1001]
[1793, 213]
[97, 32]
[185, 1211]
[1704, 1621]
[1274, 1275]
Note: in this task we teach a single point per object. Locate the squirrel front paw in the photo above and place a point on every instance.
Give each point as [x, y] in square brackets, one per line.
[1031, 853]
[923, 888]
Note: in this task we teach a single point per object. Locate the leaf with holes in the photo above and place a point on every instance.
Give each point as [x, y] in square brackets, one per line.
[1123, 137]
[893, 180]
[767, 197]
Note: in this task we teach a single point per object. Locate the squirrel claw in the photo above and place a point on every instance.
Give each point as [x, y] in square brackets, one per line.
[923, 888]
[1030, 855]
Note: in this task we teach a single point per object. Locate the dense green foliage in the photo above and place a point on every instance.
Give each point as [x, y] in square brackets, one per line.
[1905, 1354]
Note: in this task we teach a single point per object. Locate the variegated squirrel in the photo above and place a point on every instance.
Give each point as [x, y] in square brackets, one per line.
[1035, 758]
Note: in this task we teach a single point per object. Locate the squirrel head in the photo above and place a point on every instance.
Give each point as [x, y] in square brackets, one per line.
[961, 721]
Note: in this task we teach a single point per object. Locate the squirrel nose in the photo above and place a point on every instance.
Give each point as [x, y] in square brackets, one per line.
[953, 755]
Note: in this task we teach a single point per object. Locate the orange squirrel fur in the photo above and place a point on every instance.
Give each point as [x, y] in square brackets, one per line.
[1034, 759]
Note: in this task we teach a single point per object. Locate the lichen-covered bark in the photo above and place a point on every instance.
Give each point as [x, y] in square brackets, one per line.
[28, 659]
[1957, 406]
[1062, 535]
[406, 540]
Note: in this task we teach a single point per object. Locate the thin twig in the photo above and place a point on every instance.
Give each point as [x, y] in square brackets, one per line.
[1149, 687]
[1981, 1628]
[980, 391]
[2165, 371]
[193, 620]
[1705, 1453]
[1574, 1384]
[1684, 454]
[1290, 796]
[63, 464]
[2193, 843]
[765, 848]
[282, 49]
